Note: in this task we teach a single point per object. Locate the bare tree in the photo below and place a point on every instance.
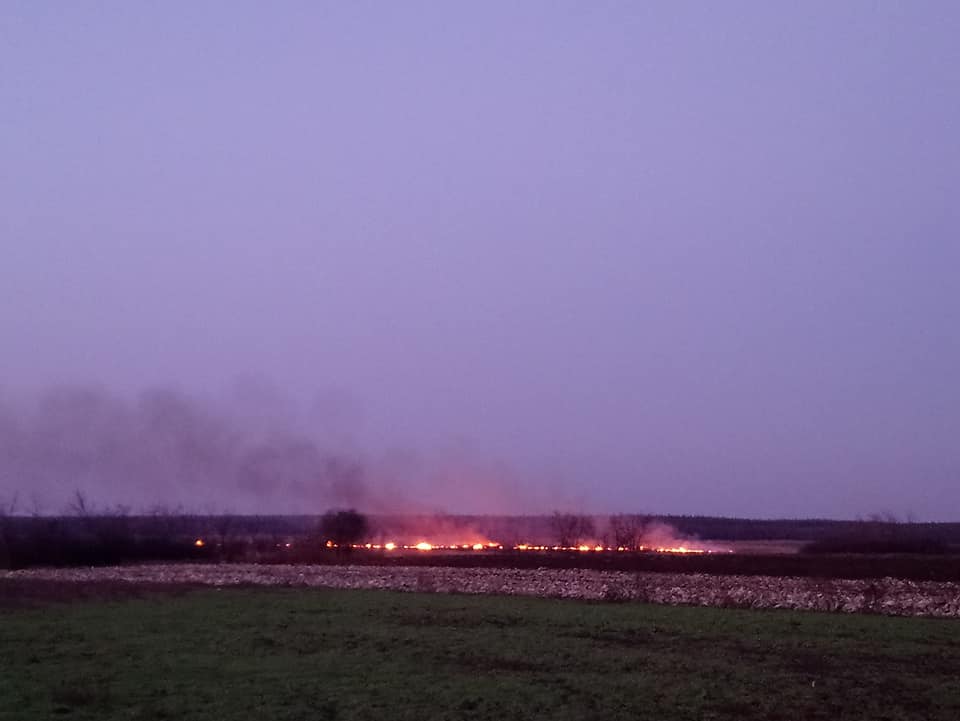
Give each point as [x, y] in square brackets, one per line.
[80, 505]
[168, 521]
[226, 530]
[36, 505]
[626, 530]
[7, 508]
[510, 532]
[571, 529]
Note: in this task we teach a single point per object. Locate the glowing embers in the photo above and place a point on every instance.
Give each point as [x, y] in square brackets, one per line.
[680, 549]
[478, 547]
[675, 549]
[427, 546]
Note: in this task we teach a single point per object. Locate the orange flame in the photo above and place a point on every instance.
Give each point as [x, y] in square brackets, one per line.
[491, 545]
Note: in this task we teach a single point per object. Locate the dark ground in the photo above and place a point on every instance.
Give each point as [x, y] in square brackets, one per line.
[17, 593]
[852, 566]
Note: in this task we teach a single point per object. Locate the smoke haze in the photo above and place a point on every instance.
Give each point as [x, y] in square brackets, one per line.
[503, 257]
[249, 451]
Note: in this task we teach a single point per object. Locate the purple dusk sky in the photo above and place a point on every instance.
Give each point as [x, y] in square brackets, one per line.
[674, 257]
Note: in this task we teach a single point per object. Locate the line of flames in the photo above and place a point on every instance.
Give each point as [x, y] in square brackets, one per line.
[426, 546]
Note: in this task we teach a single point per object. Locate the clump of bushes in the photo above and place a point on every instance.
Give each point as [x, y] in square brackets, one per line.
[343, 528]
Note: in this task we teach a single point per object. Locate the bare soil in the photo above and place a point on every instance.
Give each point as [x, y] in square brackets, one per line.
[916, 567]
[19, 591]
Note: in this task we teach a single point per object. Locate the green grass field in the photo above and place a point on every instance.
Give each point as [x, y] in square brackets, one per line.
[299, 654]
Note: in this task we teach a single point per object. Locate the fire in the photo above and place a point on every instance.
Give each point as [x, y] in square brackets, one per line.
[681, 549]
[199, 543]
[494, 546]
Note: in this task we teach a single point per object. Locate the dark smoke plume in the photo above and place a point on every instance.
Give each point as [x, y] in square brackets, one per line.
[165, 447]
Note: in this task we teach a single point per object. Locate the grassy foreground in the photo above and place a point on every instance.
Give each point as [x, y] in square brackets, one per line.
[299, 654]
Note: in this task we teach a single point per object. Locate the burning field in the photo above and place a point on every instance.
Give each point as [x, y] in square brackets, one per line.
[887, 596]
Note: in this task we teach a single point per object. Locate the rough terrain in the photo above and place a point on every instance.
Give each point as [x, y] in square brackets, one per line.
[888, 596]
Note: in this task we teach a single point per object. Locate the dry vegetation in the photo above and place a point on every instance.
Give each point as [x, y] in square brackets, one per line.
[887, 596]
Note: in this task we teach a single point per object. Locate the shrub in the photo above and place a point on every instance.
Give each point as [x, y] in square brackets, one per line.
[343, 528]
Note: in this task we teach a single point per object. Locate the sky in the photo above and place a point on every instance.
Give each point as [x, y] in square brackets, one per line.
[666, 257]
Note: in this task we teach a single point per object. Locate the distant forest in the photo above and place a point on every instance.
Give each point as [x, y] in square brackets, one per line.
[88, 537]
[805, 529]
[512, 529]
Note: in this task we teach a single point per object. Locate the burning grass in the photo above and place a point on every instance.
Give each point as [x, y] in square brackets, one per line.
[351, 655]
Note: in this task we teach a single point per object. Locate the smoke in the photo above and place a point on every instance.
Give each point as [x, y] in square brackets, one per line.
[254, 452]
[452, 479]
[249, 450]
[245, 454]
[658, 534]
[632, 531]
[438, 529]
[564, 529]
